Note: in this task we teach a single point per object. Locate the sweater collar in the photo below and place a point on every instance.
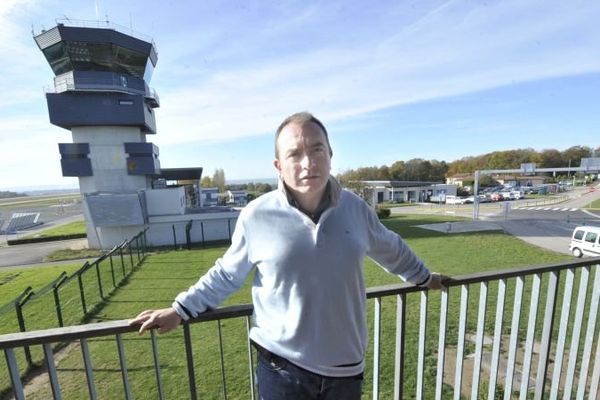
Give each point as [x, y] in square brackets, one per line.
[332, 193]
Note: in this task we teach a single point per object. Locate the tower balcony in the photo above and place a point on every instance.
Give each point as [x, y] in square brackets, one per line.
[92, 81]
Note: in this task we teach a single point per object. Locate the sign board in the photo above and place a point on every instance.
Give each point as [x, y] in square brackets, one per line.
[528, 168]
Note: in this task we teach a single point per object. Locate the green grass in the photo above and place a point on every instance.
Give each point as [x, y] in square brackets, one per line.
[70, 254]
[594, 205]
[14, 280]
[165, 274]
[35, 201]
[71, 228]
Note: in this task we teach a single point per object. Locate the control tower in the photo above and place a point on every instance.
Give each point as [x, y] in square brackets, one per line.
[101, 95]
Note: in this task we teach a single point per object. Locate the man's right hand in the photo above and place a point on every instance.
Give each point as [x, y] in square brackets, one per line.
[164, 320]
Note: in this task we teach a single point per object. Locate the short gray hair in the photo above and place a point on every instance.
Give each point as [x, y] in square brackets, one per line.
[301, 118]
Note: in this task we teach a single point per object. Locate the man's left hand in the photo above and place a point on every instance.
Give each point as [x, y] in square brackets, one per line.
[437, 281]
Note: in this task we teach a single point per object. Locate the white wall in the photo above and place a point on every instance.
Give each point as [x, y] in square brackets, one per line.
[169, 201]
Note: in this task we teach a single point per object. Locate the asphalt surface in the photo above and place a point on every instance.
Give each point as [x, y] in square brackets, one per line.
[549, 226]
[33, 254]
[545, 225]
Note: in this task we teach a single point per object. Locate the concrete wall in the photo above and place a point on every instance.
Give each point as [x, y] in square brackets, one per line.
[109, 160]
[169, 201]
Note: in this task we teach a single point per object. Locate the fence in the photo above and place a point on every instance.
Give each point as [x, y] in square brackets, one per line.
[71, 299]
[547, 352]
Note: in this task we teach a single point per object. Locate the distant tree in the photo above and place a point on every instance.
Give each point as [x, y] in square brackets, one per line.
[573, 155]
[263, 188]
[551, 158]
[206, 182]
[218, 179]
[5, 194]
[397, 171]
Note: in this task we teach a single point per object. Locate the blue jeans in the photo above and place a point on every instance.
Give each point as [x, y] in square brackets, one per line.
[278, 379]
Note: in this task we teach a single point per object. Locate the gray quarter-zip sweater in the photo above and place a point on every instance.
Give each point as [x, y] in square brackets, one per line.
[308, 290]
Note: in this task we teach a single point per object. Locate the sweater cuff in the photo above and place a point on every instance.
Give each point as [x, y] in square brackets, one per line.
[183, 312]
[426, 281]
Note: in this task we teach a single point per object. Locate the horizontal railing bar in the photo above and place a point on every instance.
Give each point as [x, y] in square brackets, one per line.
[113, 327]
[394, 289]
[106, 328]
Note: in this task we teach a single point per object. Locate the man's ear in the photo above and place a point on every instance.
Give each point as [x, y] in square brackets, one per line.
[277, 165]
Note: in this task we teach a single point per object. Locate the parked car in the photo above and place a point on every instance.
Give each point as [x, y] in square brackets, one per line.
[496, 196]
[585, 241]
[455, 200]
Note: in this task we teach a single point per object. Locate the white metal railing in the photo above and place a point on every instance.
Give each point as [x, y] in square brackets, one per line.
[567, 334]
[106, 24]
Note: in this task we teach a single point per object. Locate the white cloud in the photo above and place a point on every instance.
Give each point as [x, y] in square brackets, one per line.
[236, 72]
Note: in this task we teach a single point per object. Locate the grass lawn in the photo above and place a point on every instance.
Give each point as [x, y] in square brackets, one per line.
[67, 229]
[163, 275]
[37, 201]
[14, 280]
[594, 205]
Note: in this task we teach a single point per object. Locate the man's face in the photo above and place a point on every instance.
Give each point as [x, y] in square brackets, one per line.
[303, 158]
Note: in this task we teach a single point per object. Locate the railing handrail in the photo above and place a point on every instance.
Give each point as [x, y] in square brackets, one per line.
[122, 326]
[98, 329]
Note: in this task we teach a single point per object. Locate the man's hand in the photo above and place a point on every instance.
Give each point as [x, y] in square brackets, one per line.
[437, 281]
[164, 320]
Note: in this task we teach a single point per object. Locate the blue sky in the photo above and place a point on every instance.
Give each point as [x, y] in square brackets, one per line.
[392, 80]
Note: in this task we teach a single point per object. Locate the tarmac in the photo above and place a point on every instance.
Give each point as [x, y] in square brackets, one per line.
[550, 235]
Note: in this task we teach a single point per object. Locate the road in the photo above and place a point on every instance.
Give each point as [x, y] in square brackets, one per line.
[548, 226]
[34, 253]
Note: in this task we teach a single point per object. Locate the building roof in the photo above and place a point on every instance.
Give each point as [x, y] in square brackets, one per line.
[180, 174]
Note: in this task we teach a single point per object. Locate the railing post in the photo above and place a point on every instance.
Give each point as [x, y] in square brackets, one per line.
[399, 351]
[123, 364]
[202, 232]
[376, 346]
[57, 299]
[421, 346]
[514, 338]
[589, 336]
[130, 257]
[439, 382]
[222, 360]
[26, 295]
[174, 237]
[460, 346]
[81, 290]
[137, 249]
[546, 340]
[52, 374]
[89, 372]
[159, 384]
[190, 361]
[497, 339]
[483, 291]
[15, 376]
[122, 259]
[99, 280]
[112, 269]
[250, 359]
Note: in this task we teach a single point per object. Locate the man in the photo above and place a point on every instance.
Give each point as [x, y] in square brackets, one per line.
[306, 242]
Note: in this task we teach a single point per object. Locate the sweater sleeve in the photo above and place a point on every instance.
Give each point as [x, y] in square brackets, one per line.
[225, 277]
[392, 253]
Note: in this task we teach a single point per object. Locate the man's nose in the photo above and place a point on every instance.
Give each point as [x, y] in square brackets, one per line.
[306, 161]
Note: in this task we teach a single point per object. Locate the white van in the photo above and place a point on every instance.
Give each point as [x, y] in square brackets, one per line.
[455, 200]
[585, 241]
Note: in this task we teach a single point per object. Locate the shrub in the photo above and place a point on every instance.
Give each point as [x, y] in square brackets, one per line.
[383, 212]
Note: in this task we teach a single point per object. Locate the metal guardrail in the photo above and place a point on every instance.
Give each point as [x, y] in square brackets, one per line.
[561, 340]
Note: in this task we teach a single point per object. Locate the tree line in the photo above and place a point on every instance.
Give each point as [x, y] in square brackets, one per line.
[6, 194]
[218, 180]
[418, 169]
